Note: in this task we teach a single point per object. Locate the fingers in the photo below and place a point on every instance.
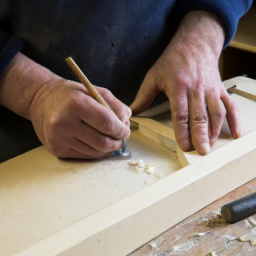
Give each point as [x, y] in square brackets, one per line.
[232, 115]
[217, 114]
[122, 111]
[102, 119]
[88, 136]
[199, 122]
[71, 153]
[85, 141]
[145, 95]
[180, 118]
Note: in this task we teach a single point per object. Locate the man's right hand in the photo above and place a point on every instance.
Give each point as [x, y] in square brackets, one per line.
[67, 120]
[70, 123]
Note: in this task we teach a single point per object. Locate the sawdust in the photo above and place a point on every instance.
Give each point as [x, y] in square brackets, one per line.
[213, 219]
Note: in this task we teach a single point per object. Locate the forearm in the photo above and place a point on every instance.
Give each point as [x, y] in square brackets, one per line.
[20, 82]
[200, 30]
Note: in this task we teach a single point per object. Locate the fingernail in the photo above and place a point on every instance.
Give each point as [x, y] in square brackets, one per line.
[127, 131]
[204, 148]
[124, 120]
[212, 141]
[238, 135]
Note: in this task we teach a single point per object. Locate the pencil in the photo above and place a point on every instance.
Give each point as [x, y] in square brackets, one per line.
[84, 80]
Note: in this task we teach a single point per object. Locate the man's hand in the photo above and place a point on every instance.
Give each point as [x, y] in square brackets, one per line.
[188, 73]
[67, 120]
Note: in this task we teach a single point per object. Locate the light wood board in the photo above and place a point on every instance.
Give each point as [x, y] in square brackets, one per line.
[75, 208]
[126, 224]
[41, 195]
[156, 131]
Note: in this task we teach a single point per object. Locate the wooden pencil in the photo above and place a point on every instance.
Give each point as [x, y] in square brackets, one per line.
[84, 80]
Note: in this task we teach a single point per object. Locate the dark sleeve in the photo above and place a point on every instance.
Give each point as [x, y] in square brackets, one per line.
[10, 45]
[229, 11]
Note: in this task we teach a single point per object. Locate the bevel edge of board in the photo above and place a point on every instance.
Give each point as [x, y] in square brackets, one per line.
[175, 189]
[156, 131]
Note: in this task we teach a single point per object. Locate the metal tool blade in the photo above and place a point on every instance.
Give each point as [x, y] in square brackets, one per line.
[123, 151]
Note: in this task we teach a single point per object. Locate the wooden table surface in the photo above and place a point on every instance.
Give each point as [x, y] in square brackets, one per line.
[206, 233]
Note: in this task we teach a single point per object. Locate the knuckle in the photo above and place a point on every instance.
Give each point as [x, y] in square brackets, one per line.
[233, 105]
[126, 133]
[106, 144]
[199, 118]
[220, 113]
[128, 112]
[72, 100]
[125, 115]
[123, 133]
[55, 150]
[108, 126]
[182, 80]
[55, 121]
[105, 93]
[180, 117]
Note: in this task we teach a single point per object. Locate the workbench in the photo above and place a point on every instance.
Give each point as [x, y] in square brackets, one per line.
[205, 233]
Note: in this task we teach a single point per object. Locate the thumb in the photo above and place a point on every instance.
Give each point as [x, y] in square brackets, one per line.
[146, 94]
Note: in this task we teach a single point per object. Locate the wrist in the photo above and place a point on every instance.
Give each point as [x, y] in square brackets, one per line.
[200, 31]
[20, 82]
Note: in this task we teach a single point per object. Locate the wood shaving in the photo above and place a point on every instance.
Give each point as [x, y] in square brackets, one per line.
[149, 169]
[136, 169]
[137, 163]
[138, 166]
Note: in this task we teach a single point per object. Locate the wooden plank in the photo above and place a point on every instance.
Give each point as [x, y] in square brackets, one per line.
[55, 207]
[41, 195]
[198, 235]
[124, 225]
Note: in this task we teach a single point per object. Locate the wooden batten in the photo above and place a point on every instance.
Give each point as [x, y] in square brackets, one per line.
[156, 131]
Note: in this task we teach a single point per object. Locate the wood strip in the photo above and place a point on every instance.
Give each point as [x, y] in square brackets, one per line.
[242, 93]
[155, 126]
[156, 131]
